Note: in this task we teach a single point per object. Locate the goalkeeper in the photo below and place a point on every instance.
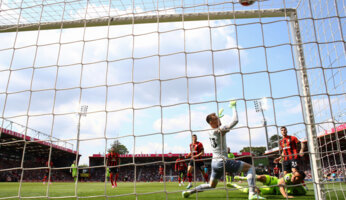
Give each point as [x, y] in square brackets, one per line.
[220, 161]
[273, 185]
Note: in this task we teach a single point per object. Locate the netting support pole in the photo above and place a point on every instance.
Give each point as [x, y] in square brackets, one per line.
[308, 112]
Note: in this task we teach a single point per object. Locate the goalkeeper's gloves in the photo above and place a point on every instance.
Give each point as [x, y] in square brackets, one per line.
[220, 113]
[232, 104]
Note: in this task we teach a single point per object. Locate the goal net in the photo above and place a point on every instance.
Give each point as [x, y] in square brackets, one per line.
[80, 76]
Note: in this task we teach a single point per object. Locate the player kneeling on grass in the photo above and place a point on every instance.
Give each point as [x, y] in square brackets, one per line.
[220, 160]
[273, 185]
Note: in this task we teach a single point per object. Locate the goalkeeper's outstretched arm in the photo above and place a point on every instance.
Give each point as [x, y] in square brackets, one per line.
[233, 106]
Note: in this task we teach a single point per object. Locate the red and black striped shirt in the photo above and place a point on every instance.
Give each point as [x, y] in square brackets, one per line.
[196, 149]
[180, 164]
[112, 159]
[288, 145]
[161, 170]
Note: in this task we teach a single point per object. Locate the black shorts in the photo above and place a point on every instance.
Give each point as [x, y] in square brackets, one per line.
[289, 164]
[114, 170]
[199, 164]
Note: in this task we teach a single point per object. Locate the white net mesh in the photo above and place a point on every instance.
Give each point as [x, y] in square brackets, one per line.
[150, 71]
[324, 45]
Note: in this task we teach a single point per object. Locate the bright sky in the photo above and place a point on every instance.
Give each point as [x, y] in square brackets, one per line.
[155, 102]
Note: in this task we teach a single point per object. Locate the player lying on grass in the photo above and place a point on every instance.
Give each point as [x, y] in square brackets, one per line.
[220, 159]
[273, 185]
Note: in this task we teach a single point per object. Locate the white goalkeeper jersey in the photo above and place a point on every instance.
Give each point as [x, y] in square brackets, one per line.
[218, 138]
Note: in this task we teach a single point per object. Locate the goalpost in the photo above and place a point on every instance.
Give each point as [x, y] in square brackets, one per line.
[123, 86]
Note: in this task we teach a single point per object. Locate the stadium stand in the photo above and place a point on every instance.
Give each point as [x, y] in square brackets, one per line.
[36, 156]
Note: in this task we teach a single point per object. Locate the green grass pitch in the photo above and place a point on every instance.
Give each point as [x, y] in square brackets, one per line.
[144, 191]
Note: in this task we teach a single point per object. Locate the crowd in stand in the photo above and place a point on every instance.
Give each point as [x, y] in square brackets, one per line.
[333, 173]
[145, 173]
[149, 174]
[32, 175]
[328, 174]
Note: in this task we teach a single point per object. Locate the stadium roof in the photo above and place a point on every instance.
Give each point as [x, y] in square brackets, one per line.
[13, 143]
[331, 132]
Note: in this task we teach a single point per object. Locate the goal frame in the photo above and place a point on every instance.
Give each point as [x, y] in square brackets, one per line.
[290, 13]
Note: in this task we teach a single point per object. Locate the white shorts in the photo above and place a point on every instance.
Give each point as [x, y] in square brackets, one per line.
[231, 166]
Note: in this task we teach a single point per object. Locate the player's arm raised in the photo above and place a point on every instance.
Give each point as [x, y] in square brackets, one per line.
[226, 128]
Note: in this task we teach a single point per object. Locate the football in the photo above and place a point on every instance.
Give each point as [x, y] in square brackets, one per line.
[287, 178]
[247, 2]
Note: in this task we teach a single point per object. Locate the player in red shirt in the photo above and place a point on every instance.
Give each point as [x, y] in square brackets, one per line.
[276, 171]
[47, 173]
[196, 153]
[113, 159]
[289, 147]
[180, 167]
[161, 172]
